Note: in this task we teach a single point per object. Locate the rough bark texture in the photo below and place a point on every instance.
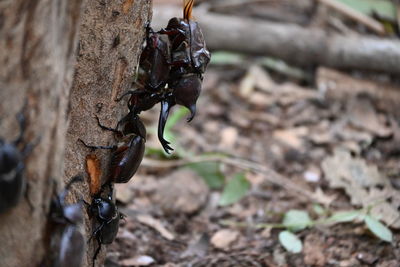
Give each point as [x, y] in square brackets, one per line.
[37, 43]
[38, 52]
[291, 42]
[110, 42]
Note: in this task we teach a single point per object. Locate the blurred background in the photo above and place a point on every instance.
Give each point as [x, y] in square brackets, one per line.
[293, 156]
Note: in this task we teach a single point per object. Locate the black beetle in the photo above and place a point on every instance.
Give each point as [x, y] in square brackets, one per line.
[12, 179]
[107, 215]
[128, 154]
[71, 247]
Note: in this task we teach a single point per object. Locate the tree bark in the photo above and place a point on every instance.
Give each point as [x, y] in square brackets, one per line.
[111, 36]
[38, 40]
[37, 45]
[290, 42]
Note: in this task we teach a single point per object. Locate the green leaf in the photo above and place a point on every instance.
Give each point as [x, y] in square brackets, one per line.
[226, 58]
[344, 216]
[155, 152]
[378, 229]
[319, 210]
[210, 172]
[290, 242]
[383, 8]
[235, 189]
[296, 220]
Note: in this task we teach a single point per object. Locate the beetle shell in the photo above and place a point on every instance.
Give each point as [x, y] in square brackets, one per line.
[126, 159]
[188, 46]
[154, 67]
[108, 233]
[12, 181]
[69, 218]
[131, 124]
[198, 50]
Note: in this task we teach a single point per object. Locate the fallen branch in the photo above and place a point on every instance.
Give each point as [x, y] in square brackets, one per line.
[292, 43]
[269, 175]
[369, 22]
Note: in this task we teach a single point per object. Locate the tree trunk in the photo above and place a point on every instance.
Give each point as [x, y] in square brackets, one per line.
[37, 40]
[111, 36]
[38, 51]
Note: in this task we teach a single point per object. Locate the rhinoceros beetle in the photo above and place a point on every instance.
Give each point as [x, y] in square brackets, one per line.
[154, 67]
[71, 247]
[12, 179]
[128, 154]
[189, 58]
[153, 72]
[180, 64]
[107, 215]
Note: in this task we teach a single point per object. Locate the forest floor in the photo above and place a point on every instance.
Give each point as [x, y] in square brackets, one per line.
[264, 143]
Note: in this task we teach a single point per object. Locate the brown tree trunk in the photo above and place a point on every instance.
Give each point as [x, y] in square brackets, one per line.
[38, 52]
[111, 36]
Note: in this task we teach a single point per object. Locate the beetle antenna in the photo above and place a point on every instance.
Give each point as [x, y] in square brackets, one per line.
[187, 9]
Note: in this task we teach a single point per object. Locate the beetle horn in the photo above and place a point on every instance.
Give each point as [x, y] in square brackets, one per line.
[166, 105]
[187, 9]
[192, 109]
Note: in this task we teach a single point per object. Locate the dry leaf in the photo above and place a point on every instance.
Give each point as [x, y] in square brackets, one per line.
[143, 260]
[292, 137]
[256, 77]
[364, 185]
[156, 225]
[362, 114]
[313, 251]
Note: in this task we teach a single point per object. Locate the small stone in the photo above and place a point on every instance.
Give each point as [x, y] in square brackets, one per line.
[183, 191]
[224, 238]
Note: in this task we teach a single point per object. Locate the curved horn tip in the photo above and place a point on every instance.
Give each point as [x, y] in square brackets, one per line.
[192, 109]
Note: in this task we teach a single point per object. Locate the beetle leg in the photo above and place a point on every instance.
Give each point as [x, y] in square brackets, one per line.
[22, 124]
[95, 232]
[171, 31]
[105, 127]
[166, 105]
[130, 92]
[97, 147]
[97, 250]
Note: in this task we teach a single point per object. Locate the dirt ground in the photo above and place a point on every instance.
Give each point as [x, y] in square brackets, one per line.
[301, 143]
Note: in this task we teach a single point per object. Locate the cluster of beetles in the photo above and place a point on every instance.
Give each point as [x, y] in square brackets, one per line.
[170, 72]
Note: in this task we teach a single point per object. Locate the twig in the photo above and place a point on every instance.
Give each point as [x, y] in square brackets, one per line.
[369, 22]
[291, 43]
[270, 175]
